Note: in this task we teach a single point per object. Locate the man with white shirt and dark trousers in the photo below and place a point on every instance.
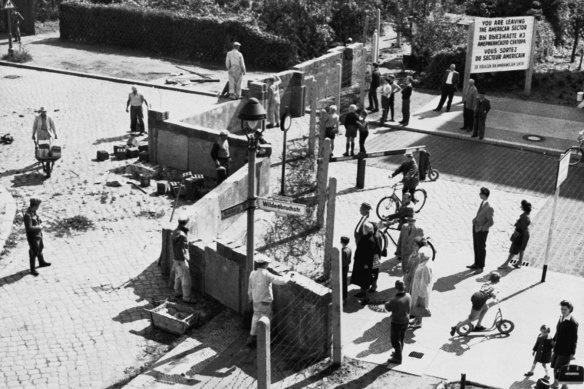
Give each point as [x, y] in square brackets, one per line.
[449, 85]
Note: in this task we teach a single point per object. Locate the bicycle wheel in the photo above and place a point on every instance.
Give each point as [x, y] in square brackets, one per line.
[419, 200]
[433, 174]
[575, 155]
[433, 250]
[505, 326]
[464, 330]
[385, 207]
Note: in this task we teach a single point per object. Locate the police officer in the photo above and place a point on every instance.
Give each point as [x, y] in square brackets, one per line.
[182, 274]
[34, 236]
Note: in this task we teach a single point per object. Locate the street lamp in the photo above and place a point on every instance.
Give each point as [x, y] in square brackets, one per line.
[9, 7]
[253, 124]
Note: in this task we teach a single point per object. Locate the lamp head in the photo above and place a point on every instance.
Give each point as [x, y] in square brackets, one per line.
[251, 116]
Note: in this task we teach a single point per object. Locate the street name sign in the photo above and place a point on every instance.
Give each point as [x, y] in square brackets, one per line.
[563, 166]
[278, 206]
[234, 210]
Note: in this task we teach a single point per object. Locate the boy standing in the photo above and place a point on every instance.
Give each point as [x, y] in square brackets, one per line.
[346, 254]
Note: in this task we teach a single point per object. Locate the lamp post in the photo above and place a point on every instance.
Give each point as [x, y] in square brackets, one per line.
[253, 124]
[9, 9]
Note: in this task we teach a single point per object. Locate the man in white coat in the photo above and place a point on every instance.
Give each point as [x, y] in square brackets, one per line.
[235, 69]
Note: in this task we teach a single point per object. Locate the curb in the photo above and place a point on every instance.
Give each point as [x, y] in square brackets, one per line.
[7, 214]
[106, 78]
[493, 142]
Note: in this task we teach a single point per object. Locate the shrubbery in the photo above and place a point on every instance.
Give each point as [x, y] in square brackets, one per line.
[166, 33]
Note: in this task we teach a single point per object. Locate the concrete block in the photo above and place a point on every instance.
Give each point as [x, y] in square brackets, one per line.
[197, 265]
[222, 279]
[173, 150]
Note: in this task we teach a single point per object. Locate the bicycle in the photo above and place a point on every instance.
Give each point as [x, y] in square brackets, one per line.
[504, 326]
[387, 237]
[389, 204]
[577, 151]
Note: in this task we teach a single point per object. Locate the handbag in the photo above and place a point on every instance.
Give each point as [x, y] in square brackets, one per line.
[514, 236]
[571, 374]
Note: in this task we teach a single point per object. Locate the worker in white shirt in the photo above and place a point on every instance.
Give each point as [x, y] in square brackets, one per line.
[260, 293]
[134, 106]
[235, 69]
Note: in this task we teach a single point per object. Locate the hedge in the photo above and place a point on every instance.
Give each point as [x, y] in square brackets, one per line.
[163, 32]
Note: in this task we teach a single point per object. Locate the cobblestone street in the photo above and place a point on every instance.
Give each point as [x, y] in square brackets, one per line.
[80, 323]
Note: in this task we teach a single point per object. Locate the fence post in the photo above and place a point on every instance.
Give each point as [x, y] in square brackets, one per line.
[463, 381]
[337, 284]
[330, 225]
[338, 96]
[467, 68]
[322, 182]
[313, 107]
[264, 355]
[361, 164]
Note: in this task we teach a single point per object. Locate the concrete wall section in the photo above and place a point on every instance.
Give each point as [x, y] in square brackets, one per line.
[222, 279]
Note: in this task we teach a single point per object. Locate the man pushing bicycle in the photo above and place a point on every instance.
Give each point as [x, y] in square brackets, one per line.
[411, 174]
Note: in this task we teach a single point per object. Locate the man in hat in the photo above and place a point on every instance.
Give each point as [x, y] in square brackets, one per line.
[449, 85]
[34, 236]
[220, 154]
[134, 105]
[182, 273]
[411, 174]
[480, 230]
[482, 108]
[406, 243]
[375, 82]
[43, 132]
[236, 70]
[260, 293]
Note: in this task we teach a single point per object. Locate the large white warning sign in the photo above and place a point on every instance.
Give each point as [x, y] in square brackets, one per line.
[502, 44]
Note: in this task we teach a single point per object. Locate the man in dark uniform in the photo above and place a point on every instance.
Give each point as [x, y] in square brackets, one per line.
[482, 108]
[34, 236]
[375, 82]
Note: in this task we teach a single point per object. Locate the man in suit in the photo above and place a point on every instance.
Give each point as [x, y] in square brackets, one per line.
[469, 100]
[480, 229]
[449, 85]
[564, 341]
[375, 83]
[482, 108]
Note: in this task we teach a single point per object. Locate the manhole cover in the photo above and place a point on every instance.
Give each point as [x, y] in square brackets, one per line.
[416, 354]
[12, 76]
[534, 138]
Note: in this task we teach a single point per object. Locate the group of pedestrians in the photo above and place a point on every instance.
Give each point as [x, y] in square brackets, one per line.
[389, 88]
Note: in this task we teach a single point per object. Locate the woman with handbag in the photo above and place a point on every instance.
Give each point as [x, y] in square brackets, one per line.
[422, 284]
[520, 236]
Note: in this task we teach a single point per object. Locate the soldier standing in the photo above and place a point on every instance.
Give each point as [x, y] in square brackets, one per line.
[220, 154]
[34, 236]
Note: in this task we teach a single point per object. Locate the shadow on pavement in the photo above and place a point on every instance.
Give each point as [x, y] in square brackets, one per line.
[378, 335]
[366, 379]
[13, 278]
[448, 283]
[460, 344]
[523, 384]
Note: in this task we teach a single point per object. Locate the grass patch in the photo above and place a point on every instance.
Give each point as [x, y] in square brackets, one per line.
[19, 55]
[67, 227]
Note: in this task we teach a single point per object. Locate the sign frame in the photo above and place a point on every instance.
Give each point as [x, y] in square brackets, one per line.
[279, 206]
[235, 209]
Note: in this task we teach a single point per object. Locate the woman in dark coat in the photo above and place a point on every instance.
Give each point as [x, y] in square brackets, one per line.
[367, 248]
[520, 236]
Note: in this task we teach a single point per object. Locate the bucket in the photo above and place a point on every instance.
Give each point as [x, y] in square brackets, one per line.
[144, 180]
[580, 96]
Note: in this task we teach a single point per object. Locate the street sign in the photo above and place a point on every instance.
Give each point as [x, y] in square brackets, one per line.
[9, 5]
[563, 167]
[281, 206]
[234, 210]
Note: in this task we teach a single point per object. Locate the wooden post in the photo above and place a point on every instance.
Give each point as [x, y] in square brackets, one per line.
[264, 355]
[365, 28]
[550, 231]
[529, 71]
[378, 26]
[361, 164]
[467, 69]
[329, 234]
[375, 46]
[322, 182]
[313, 107]
[338, 96]
[337, 284]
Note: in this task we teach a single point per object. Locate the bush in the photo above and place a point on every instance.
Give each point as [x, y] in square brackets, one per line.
[544, 41]
[163, 32]
[440, 62]
[20, 55]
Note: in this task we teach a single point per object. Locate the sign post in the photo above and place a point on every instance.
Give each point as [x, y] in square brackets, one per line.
[501, 45]
[9, 7]
[563, 166]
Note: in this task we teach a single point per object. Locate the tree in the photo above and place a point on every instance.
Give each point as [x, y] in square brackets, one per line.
[576, 25]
